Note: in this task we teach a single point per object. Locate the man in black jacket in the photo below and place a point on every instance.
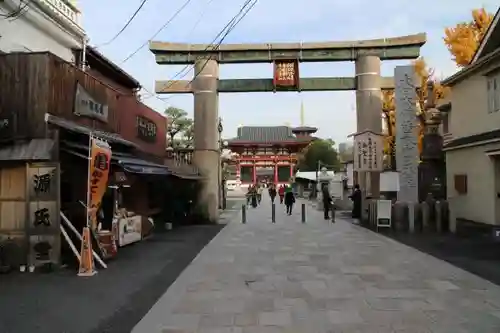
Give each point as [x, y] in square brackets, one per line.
[327, 202]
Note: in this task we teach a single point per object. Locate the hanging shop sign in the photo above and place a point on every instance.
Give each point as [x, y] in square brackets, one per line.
[286, 74]
[368, 152]
[43, 208]
[87, 106]
[146, 129]
[99, 164]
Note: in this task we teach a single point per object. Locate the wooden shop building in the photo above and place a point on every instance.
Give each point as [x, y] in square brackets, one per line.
[48, 110]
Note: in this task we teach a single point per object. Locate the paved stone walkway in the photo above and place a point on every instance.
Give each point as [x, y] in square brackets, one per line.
[319, 277]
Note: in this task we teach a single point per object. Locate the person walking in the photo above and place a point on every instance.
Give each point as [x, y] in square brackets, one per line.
[356, 202]
[281, 193]
[254, 198]
[272, 192]
[249, 194]
[260, 189]
[327, 202]
[289, 199]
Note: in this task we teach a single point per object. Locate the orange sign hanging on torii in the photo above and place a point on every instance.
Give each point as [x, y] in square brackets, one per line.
[286, 74]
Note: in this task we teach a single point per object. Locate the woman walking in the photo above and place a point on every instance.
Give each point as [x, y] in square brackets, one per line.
[289, 199]
[281, 193]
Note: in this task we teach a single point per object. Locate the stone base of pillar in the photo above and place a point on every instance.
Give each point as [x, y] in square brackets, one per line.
[208, 164]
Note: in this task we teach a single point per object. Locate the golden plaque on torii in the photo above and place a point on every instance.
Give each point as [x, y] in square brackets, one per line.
[286, 74]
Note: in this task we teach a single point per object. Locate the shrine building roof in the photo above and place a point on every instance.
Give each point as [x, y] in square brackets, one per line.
[265, 135]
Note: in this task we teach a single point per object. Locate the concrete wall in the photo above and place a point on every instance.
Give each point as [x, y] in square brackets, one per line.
[469, 116]
[469, 101]
[478, 204]
[35, 31]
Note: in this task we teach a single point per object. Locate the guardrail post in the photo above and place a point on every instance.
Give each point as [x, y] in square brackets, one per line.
[273, 212]
[303, 213]
[243, 214]
[332, 208]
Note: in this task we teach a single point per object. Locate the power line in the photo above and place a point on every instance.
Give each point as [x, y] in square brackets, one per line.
[231, 28]
[158, 31]
[235, 20]
[16, 12]
[226, 30]
[198, 21]
[143, 2]
[200, 18]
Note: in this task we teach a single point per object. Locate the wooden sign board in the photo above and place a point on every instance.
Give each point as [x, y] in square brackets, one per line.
[42, 209]
[368, 152]
[286, 74]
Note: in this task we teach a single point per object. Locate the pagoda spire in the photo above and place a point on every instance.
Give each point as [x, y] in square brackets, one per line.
[302, 114]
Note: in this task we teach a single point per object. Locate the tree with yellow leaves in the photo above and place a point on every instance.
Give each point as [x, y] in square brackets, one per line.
[464, 39]
[424, 74]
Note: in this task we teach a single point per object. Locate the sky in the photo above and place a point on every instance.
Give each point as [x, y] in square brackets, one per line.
[333, 113]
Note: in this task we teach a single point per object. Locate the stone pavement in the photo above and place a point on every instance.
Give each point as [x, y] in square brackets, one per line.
[319, 277]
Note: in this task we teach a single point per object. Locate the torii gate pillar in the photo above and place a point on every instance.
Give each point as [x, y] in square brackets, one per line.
[368, 113]
[206, 146]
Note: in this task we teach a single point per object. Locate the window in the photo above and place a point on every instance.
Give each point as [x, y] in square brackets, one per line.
[460, 184]
[446, 123]
[493, 89]
[146, 129]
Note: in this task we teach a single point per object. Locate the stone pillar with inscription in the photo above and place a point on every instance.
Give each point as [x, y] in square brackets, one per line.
[368, 113]
[407, 155]
[206, 147]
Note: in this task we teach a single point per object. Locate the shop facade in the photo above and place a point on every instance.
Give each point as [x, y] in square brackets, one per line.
[48, 112]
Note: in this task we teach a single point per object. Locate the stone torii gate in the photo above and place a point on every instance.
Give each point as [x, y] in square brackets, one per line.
[367, 55]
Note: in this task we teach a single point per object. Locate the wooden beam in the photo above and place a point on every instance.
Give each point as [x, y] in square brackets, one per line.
[405, 47]
[266, 85]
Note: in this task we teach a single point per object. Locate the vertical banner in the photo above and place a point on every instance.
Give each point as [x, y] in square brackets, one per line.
[99, 165]
[407, 155]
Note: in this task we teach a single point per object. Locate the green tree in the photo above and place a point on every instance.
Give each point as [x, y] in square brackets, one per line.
[187, 140]
[178, 124]
[322, 151]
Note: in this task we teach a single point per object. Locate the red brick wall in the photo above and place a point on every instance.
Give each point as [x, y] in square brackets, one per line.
[130, 108]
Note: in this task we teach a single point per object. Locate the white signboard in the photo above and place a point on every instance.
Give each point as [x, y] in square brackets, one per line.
[407, 156]
[87, 106]
[129, 230]
[368, 152]
[389, 181]
[384, 214]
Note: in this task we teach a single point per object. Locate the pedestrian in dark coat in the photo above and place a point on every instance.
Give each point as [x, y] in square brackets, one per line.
[272, 192]
[356, 202]
[289, 200]
[327, 202]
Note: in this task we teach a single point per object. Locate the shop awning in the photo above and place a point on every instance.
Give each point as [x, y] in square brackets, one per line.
[138, 166]
[74, 127]
[31, 150]
[128, 162]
